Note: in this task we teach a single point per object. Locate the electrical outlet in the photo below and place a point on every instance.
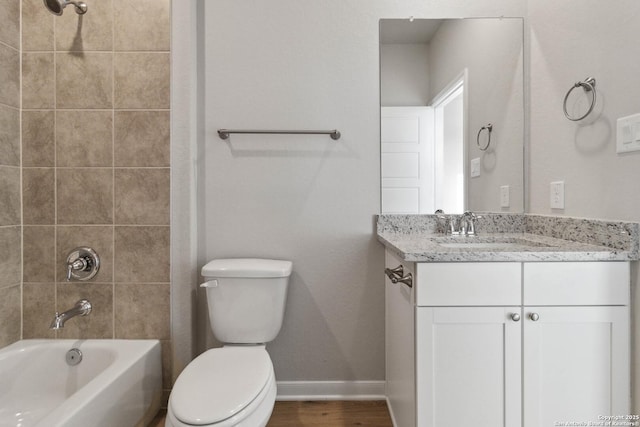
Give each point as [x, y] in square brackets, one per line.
[557, 195]
[504, 196]
[475, 167]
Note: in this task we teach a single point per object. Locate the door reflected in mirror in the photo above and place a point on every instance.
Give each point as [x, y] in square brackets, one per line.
[441, 82]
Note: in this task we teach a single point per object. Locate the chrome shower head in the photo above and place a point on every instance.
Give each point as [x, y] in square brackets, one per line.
[57, 6]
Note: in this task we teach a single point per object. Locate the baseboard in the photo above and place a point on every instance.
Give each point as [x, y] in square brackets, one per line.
[330, 390]
[390, 408]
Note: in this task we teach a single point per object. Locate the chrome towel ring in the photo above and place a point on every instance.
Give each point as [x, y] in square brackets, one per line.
[489, 129]
[589, 85]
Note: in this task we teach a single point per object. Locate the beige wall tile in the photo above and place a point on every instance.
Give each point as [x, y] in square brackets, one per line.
[38, 196]
[142, 25]
[39, 253]
[142, 311]
[84, 138]
[10, 255]
[10, 302]
[9, 136]
[10, 22]
[38, 89]
[99, 323]
[84, 80]
[10, 72]
[37, 26]
[85, 196]
[99, 238]
[10, 195]
[92, 31]
[38, 143]
[39, 308]
[147, 90]
[141, 254]
[141, 138]
[142, 196]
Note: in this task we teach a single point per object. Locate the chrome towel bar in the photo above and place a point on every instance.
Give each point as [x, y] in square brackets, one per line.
[334, 134]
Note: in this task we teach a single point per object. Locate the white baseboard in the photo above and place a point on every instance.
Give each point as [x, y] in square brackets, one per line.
[330, 390]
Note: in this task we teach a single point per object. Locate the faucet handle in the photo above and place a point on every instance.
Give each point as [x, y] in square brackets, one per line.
[83, 263]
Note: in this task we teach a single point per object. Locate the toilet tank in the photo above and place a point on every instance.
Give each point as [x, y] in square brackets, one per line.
[246, 298]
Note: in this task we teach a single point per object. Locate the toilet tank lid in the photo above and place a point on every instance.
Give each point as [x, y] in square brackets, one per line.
[247, 267]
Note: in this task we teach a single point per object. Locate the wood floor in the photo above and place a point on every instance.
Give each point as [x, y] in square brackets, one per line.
[330, 414]
[323, 414]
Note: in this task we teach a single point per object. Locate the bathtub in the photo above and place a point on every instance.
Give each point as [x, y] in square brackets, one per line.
[118, 383]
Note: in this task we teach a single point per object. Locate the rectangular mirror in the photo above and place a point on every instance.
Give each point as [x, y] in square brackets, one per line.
[452, 115]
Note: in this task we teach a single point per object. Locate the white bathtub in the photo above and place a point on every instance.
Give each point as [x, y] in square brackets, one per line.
[118, 383]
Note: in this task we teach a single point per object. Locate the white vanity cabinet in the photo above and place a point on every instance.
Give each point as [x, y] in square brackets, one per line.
[507, 343]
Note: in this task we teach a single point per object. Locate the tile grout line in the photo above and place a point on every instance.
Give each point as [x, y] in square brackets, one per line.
[55, 168]
[21, 171]
[113, 170]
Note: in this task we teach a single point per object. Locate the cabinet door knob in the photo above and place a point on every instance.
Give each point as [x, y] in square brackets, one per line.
[515, 317]
[534, 317]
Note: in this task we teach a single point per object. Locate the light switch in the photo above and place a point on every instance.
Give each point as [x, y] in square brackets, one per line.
[475, 167]
[628, 133]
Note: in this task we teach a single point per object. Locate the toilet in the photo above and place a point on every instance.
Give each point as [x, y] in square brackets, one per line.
[234, 385]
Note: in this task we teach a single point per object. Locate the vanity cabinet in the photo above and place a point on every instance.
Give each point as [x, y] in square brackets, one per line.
[507, 343]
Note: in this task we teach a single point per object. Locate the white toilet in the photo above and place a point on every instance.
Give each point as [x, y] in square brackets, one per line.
[234, 385]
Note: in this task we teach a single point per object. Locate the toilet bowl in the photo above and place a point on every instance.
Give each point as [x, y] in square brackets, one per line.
[225, 387]
[234, 385]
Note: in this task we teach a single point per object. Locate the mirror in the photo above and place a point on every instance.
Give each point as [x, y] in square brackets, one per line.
[452, 115]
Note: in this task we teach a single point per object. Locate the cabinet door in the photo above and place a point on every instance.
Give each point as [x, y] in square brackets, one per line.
[400, 357]
[469, 366]
[576, 364]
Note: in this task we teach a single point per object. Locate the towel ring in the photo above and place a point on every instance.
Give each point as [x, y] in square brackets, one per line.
[488, 128]
[589, 85]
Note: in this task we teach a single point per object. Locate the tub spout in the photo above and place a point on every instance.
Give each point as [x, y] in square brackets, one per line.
[82, 308]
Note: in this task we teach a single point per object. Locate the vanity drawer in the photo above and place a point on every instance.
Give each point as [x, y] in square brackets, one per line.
[468, 284]
[576, 283]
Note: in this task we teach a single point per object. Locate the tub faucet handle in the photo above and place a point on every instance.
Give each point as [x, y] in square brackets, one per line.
[83, 263]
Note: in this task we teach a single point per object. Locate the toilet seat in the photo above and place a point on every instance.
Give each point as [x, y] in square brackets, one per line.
[224, 387]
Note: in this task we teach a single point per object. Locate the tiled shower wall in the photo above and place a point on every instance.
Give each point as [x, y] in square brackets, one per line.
[95, 141]
[10, 230]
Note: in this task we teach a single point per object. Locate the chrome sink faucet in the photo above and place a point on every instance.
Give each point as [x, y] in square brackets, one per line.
[465, 225]
[468, 223]
[82, 308]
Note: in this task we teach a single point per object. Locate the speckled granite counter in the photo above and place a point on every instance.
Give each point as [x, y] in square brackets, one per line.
[511, 237]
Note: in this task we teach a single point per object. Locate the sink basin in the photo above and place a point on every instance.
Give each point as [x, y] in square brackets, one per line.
[493, 242]
[479, 245]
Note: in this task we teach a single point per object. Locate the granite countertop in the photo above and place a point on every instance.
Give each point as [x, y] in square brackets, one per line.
[417, 239]
[419, 247]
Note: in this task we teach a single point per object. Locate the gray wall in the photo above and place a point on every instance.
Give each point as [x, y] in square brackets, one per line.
[304, 65]
[569, 41]
[404, 75]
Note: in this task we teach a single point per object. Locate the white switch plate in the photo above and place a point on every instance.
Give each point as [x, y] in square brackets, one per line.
[504, 196]
[475, 167]
[557, 195]
[628, 134]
